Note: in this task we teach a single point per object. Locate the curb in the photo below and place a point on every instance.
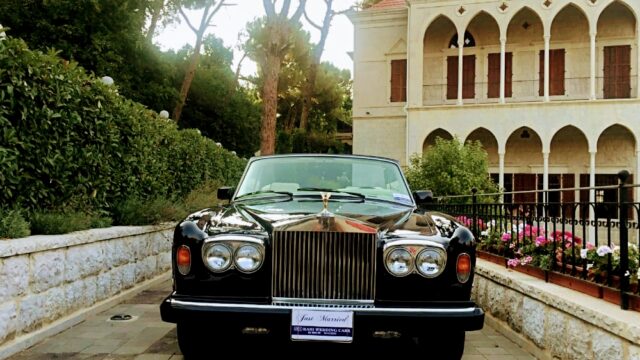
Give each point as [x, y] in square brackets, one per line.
[28, 340]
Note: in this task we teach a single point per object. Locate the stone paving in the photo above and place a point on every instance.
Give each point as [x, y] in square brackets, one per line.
[146, 337]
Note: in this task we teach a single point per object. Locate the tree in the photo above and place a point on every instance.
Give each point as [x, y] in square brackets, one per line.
[278, 28]
[210, 9]
[451, 168]
[160, 11]
[307, 91]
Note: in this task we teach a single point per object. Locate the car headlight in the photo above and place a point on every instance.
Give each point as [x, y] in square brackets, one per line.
[248, 258]
[430, 262]
[217, 257]
[399, 262]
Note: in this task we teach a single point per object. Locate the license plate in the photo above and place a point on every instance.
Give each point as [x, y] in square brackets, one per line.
[321, 325]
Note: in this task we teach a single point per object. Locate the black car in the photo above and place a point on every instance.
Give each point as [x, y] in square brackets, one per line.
[330, 248]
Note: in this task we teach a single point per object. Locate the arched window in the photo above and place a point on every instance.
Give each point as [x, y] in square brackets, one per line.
[469, 41]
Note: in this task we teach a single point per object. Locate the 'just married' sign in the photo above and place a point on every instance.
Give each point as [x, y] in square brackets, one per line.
[311, 324]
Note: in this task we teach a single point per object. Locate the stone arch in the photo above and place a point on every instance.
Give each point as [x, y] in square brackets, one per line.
[430, 140]
[435, 41]
[563, 24]
[524, 28]
[489, 143]
[575, 5]
[481, 24]
[569, 151]
[523, 150]
[616, 149]
[616, 3]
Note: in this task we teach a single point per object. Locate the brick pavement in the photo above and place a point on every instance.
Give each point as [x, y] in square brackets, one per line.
[146, 337]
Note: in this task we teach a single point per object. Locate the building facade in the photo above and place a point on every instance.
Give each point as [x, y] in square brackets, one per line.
[549, 87]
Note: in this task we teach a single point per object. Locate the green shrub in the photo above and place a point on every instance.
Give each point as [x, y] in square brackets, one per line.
[67, 141]
[59, 222]
[13, 224]
[136, 211]
[202, 197]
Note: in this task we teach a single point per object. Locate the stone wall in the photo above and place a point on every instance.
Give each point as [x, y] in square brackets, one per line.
[556, 322]
[44, 278]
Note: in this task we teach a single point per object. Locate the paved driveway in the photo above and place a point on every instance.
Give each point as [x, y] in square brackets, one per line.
[145, 336]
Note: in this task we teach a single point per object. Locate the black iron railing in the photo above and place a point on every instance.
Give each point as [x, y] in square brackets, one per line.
[589, 240]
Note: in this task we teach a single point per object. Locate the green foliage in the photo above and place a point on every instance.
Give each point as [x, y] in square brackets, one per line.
[451, 168]
[13, 224]
[69, 142]
[136, 211]
[202, 197]
[221, 110]
[61, 222]
[308, 142]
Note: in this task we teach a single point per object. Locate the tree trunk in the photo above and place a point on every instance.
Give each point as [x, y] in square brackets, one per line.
[155, 17]
[307, 93]
[188, 78]
[309, 88]
[269, 105]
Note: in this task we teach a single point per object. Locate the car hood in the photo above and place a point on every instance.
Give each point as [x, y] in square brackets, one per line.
[309, 215]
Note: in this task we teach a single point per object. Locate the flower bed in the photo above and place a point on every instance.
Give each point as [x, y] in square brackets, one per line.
[562, 258]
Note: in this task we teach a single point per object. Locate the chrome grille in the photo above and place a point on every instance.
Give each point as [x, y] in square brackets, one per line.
[323, 265]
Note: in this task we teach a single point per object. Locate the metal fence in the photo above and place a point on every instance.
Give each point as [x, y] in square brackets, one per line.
[587, 240]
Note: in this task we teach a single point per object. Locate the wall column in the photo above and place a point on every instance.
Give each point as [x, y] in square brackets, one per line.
[503, 68]
[637, 177]
[460, 65]
[638, 58]
[547, 39]
[593, 66]
[545, 179]
[592, 193]
[501, 174]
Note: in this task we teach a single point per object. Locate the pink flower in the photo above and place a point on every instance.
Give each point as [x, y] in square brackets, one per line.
[512, 245]
[541, 241]
[513, 262]
[526, 260]
[506, 237]
[590, 246]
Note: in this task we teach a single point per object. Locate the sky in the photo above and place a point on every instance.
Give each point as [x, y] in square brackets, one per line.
[230, 21]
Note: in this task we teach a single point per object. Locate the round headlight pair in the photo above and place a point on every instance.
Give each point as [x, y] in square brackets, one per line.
[429, 262]
[219, 257]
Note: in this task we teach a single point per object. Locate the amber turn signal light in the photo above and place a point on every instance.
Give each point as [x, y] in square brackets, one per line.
[463, 268]
[183, 259]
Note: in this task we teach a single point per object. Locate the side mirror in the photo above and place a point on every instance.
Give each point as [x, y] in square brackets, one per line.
[225, 193]
[423, 197]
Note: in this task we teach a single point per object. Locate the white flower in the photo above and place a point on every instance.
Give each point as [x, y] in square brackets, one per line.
[589, 266]
[604, 250]
[484, 233]
[583, 253]
[627, 273]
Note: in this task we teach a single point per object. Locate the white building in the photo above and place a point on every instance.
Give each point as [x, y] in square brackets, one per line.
[550, 87]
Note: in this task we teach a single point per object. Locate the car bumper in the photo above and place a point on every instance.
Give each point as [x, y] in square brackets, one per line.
[237, 318]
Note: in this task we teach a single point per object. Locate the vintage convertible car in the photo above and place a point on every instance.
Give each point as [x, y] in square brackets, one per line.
[323, 248]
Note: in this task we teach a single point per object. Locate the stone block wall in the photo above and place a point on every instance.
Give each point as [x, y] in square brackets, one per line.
[560, 322]
[44, 278]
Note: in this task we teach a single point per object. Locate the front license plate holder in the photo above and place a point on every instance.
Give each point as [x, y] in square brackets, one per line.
[322, 325]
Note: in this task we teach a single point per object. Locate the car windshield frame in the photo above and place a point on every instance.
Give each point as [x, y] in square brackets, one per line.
[407, 196]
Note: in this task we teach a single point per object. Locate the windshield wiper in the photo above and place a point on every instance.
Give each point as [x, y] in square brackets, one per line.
[358, 195]
[272, 192]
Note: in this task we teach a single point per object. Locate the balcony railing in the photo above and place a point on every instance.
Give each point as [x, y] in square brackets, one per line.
[573, 88]
[587, 240]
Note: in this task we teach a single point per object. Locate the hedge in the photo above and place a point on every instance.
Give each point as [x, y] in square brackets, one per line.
[67, 141]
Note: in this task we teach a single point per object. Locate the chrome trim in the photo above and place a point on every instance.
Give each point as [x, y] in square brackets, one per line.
[412, 265]
[188, 268]
[421, 245]
[470, 268]
[440, 271]
[324, 265]
[322, 301]
[233, 243]
[178, 304]
[206, 247]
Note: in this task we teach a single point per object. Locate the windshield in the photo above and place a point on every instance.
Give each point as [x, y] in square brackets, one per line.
[374, 179]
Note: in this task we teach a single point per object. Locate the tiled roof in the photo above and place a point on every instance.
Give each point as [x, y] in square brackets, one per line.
[388, 4]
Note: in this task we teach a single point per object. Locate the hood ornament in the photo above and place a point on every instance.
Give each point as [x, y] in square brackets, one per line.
[325, 217]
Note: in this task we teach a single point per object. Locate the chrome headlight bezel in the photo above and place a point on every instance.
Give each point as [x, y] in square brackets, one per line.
[415, 248]
[233, 243]
[442, 256]
[410, 263]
